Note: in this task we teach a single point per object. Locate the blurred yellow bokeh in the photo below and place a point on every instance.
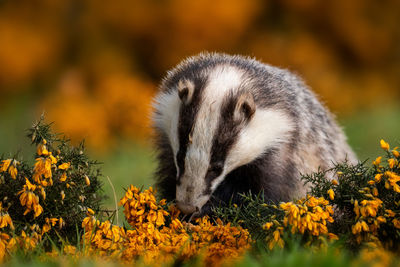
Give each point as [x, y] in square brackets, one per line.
[93, 66]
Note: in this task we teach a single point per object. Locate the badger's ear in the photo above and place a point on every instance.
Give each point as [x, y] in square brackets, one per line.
[245, 107]
[185, 91]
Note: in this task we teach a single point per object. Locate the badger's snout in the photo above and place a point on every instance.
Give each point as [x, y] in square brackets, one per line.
[189, 197]
[187, 208]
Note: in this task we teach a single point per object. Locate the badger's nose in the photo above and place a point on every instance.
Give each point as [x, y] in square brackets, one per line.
[186, 208]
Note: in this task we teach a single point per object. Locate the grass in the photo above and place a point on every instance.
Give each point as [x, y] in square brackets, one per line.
[128, 163]
[15, 117]
[295, 257]
[367, 127]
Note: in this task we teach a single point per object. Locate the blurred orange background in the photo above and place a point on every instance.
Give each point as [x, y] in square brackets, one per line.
[93, 66]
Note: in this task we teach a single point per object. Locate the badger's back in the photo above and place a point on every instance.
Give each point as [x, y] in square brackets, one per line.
[260, 122]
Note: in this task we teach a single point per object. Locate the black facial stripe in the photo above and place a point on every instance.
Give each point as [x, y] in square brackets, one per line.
[190, 71]
[187, 117]
[224, 138]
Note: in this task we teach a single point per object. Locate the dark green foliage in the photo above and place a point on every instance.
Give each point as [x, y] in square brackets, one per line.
[357, 183]
[351, 178]
[251, 214]
[78, 195]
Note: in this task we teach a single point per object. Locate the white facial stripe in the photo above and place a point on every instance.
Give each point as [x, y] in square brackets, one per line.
[267, 129]
[222, 79]
[166, 118]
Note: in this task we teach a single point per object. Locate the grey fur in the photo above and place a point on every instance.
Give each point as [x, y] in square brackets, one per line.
[316, 141]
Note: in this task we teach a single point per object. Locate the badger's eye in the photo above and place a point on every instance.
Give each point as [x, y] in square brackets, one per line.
[216, 169]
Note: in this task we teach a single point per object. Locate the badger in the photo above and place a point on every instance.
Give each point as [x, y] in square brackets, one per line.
[228, 124]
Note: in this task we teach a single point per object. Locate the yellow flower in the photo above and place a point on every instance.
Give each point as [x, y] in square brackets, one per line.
[38, 209]
[332, 236]
[5, 219]
[46, 227]
[387, 185]
[11, 166]
[29, 199]
[310, 215]
[335, 182]
[267, 225]
[392, 181]
[377, 161]
[375, 191]
[88, 223]
[370, 207]
[62, 195]
[276, 240]
[61, 223]
[384, 145]
[389, 213]
[64, 166]
[378, 177]
[392, 163]
[42, 168]
[396, 153]
[11, 244]
[13, 171]
[29, 242]
[364, 226]
[160, 218]
[357, 228]
[356, 209]
[69, 250]
[396, 223]
[3, 245]
[276, 235]
[381, 219]
[331, 194]
[87, 181]
[52, 221]
[52, 158]
[63, 177]
[4, 165]
[42, 149]
[90, 211]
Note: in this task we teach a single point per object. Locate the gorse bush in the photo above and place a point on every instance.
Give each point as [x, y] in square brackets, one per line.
[367, 200]
[304, 220]
[46, 203]
[157, 234]
[52, 209]
[360, 207]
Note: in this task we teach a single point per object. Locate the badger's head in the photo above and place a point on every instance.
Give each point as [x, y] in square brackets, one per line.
[210, 115]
